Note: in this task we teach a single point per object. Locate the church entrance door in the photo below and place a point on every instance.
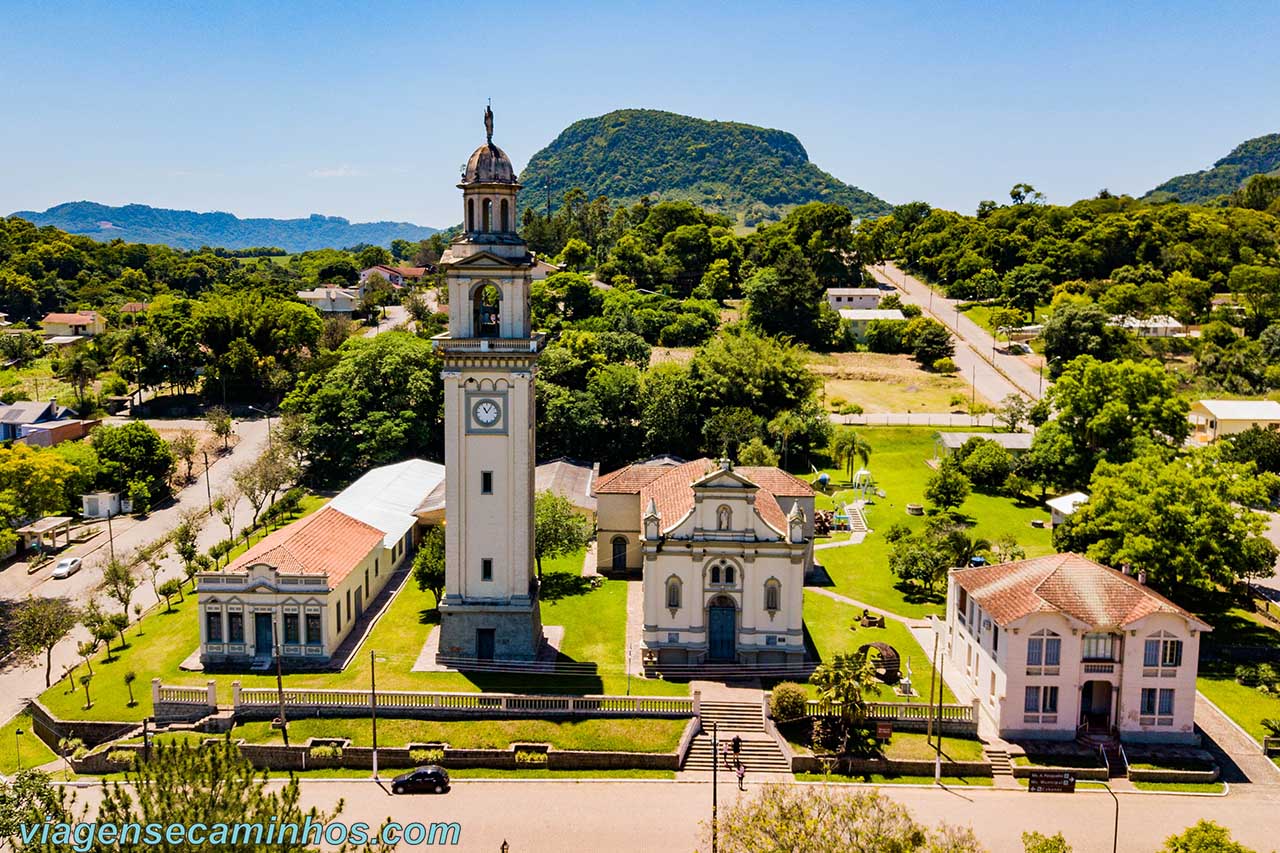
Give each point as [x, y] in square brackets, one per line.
[722, 631]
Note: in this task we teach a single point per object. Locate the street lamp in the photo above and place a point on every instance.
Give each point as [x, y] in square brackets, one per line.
[268, 415]
[17, 746]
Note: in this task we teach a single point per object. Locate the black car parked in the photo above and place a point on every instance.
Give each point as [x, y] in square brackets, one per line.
[430, 778]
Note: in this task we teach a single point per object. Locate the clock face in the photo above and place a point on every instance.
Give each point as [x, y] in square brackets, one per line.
[486, 412]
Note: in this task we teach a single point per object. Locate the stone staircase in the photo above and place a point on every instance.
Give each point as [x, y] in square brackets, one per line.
[857, 518]
[1000, 764]
[760, 752]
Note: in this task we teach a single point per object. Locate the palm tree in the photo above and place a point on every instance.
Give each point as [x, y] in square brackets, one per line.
[847, 446]
[78, 369]
[784, 425]
[964, 547]
[844, 683]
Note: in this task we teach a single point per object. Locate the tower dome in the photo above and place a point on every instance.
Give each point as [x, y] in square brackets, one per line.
[489, 164]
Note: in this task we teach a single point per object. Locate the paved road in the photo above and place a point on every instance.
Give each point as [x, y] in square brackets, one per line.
[976, 353]
[393, 317]
[667, 816]
[17, 683]
[947, 419]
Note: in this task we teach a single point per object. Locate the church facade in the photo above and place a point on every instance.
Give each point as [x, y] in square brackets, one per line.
[490, 609]
[723, 552]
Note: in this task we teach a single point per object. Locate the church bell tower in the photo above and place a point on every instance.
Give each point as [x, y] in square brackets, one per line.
[490, 608]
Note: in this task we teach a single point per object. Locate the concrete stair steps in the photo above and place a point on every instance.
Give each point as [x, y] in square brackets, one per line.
[1000, 764]
[758, 756]
[733, 716]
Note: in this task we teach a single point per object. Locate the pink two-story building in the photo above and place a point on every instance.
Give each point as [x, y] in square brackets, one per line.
[1060, 645]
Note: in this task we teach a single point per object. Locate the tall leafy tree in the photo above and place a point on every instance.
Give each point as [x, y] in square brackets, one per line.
[558, 529]
[429, 563]
[37, 625]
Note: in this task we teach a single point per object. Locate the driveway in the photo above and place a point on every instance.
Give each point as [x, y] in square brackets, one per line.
[18, 683]
[393, 317]
[995, 374]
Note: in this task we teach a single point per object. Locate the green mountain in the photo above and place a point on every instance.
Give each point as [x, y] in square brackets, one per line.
[186, 229]
[751, 173]
[1260, 156]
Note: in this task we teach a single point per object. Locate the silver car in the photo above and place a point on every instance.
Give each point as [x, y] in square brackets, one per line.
[66, 567]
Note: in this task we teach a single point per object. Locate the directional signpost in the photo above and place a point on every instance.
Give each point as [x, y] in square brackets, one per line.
[1051, 782]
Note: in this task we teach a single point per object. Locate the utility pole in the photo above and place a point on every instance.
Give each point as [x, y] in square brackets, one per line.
[937, 759]
[208, 487]
[715, 776]
[933, 677]
[284, 724]
[373, 708]
[111, 539]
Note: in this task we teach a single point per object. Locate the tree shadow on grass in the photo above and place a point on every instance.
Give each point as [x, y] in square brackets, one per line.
[429, 616]
[557, 585]
[913, 593]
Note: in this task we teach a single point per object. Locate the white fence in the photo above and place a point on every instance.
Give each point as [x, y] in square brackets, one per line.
[316, 702]
[902, 711]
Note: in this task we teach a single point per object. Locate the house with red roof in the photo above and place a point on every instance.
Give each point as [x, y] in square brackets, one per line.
[84, 324]
[723, 552]
[303, 589]
[1061, 646]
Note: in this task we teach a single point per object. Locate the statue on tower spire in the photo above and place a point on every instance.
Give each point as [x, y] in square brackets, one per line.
[488, 123]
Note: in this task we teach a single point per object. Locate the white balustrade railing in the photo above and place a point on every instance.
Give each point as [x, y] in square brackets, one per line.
[899, 711]
[480, 703]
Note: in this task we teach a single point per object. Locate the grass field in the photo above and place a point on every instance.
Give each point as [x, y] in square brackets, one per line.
[912, 746]
[1181, 787]
[887, 383]
[594, 635]
[32, 751]
[37, 382]
[629, 734]
[1236, 626]
[898, 465]
[828, 621]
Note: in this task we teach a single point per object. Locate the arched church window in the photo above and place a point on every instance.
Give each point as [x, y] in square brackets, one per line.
[715, 573]
[505, 216]
[619, 560]
[487, 302]
[471, 215]
[487, 208]
[728, 575]
[772, 595]
[724, 518]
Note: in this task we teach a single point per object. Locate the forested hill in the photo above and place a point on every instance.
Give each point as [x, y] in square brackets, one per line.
[186, 229]
[1258, 156]
[754, 174]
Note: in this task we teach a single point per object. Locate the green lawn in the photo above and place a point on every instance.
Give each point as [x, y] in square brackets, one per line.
[898, 465]
[913, 746]
[1053, 759]
[1235, 626]
[626, 734]
[1184, 787]
[594, 622]
[828, 621]
[879, 779]
[32, 751]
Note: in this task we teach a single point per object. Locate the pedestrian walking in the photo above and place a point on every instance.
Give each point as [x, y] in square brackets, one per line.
[724, 754]
[737, 745]
[742, 775]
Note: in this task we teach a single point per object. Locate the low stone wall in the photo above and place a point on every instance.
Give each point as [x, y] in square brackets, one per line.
[887, 766]
[1096, 774]
[51, 729]
[1168, 775]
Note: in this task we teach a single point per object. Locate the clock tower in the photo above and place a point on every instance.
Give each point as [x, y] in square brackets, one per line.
[490, 608]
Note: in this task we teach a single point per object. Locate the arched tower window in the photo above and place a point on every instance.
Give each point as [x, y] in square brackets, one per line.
[724, 518]
[487, 207]
[723, 573]
[471, 215]
[505, 216]
[486, 304]
[673, 592]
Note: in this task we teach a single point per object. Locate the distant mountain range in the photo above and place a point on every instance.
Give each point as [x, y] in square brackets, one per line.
[1260, 156]
[751, 173]
[186, 229]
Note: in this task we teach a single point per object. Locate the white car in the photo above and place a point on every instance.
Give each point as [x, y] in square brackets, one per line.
[66, 567]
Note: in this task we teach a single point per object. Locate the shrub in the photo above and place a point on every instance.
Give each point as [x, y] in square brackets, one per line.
[788, 702]
[1247, 674]
[849, 409]
[122, 758]
[426, 756]
[1268, 674]
[944, 365]
[530, 756]
[1272, 726]
[324, 751]
[218, 550]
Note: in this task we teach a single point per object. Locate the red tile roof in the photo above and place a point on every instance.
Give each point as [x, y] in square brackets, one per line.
[671, 490]
[1063, 583]
[327, 542]
[80, 318]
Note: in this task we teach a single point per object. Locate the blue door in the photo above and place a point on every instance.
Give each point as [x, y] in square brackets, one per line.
[262, 634]
[721, 631]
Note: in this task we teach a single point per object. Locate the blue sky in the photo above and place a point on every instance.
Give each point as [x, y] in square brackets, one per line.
[367, 110]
